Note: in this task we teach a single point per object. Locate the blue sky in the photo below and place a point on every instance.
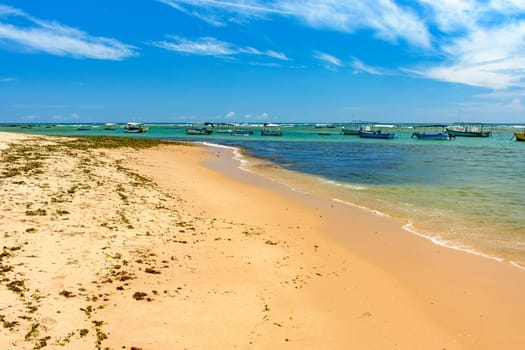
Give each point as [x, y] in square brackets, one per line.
[252, 60]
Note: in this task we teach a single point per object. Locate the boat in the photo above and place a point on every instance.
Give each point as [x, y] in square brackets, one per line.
[223, 128]
[110, 126]
[324, 133]
[352, 129]
[133, 127]
[241, 132]
[84, 128]
[429, 132]
[369, 132]
[271, 130]
[200, 129]
[375, 135]
[520, 136]
[469, 130]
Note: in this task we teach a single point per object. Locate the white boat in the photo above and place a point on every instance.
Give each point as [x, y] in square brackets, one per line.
[135, 127]
[110, 126]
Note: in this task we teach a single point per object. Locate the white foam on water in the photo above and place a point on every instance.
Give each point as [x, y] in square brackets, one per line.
[517, 265]
[436, 240]
[351, 187]
[377, 212]
[237, 155]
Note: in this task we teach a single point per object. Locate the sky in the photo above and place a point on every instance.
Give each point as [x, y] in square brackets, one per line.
[262, 61]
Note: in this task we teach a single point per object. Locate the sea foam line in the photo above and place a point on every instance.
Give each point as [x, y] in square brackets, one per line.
[409, 228]
[377, 212]
[335, 183]
[237, 155]
[516, 265]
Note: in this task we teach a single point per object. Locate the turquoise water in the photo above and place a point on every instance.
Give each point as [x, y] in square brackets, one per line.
[467, 193]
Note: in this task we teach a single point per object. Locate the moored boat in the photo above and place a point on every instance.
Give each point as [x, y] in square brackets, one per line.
[352, 129]
[200, 129]
[520, 136]
[430, 132]
[223, 128]
[469, 130]
[241, 132]
[376, 135]
[271, 130]
[133, 127]
[110, 126]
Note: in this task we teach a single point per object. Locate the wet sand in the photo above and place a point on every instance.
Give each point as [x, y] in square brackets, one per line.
[174, 247]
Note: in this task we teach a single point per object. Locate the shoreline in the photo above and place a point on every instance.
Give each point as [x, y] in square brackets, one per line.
[152, 248]
[487, 264]
[405, 223]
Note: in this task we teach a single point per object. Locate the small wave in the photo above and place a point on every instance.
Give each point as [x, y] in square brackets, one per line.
[515, 264]
[377, 212]
[237, 155]
[351, 187]
[436, 240]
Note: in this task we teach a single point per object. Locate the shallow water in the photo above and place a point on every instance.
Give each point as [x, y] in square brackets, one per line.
[465, 193]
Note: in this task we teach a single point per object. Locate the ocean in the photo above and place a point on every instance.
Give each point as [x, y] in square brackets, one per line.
[467, 193]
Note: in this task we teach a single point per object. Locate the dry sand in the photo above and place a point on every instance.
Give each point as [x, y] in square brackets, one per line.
[173, 247]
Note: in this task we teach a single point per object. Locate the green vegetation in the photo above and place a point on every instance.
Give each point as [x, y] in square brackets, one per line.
[95, 142]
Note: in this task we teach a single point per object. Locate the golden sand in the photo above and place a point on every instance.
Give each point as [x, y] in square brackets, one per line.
[157, 249]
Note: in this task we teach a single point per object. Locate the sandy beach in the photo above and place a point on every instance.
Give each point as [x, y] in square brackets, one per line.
[172, 246]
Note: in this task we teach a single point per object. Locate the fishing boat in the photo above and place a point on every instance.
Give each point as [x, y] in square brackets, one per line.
[200, 129]
[84, 128]
[520, 136]
[133, 127]
[432, 132]
[376, 135]
[271, 130]
[223, 128]
[241, 132]
[110, 126]
[369, 132]
[352, 129]
[469, 130]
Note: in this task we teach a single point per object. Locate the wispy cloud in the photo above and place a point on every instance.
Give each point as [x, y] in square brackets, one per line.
[331, 61]
[384, 17]
[245, 7]
[484, 44]
[472, 42]
[359, 67]
[204, 46]
[37, 35]
[7, 80]
[208, 46]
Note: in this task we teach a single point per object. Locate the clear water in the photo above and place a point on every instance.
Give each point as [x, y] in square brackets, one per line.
[467, 193]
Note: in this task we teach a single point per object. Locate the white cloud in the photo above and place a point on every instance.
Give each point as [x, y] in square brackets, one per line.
[359, 66]
[212, 47]
[484, 44]
[385, 18]
[204, 46]
[56, 39]
[278, 55]
[472, 42]
[230, 115]
[7, 80]
[245, 7]
[327, 58]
